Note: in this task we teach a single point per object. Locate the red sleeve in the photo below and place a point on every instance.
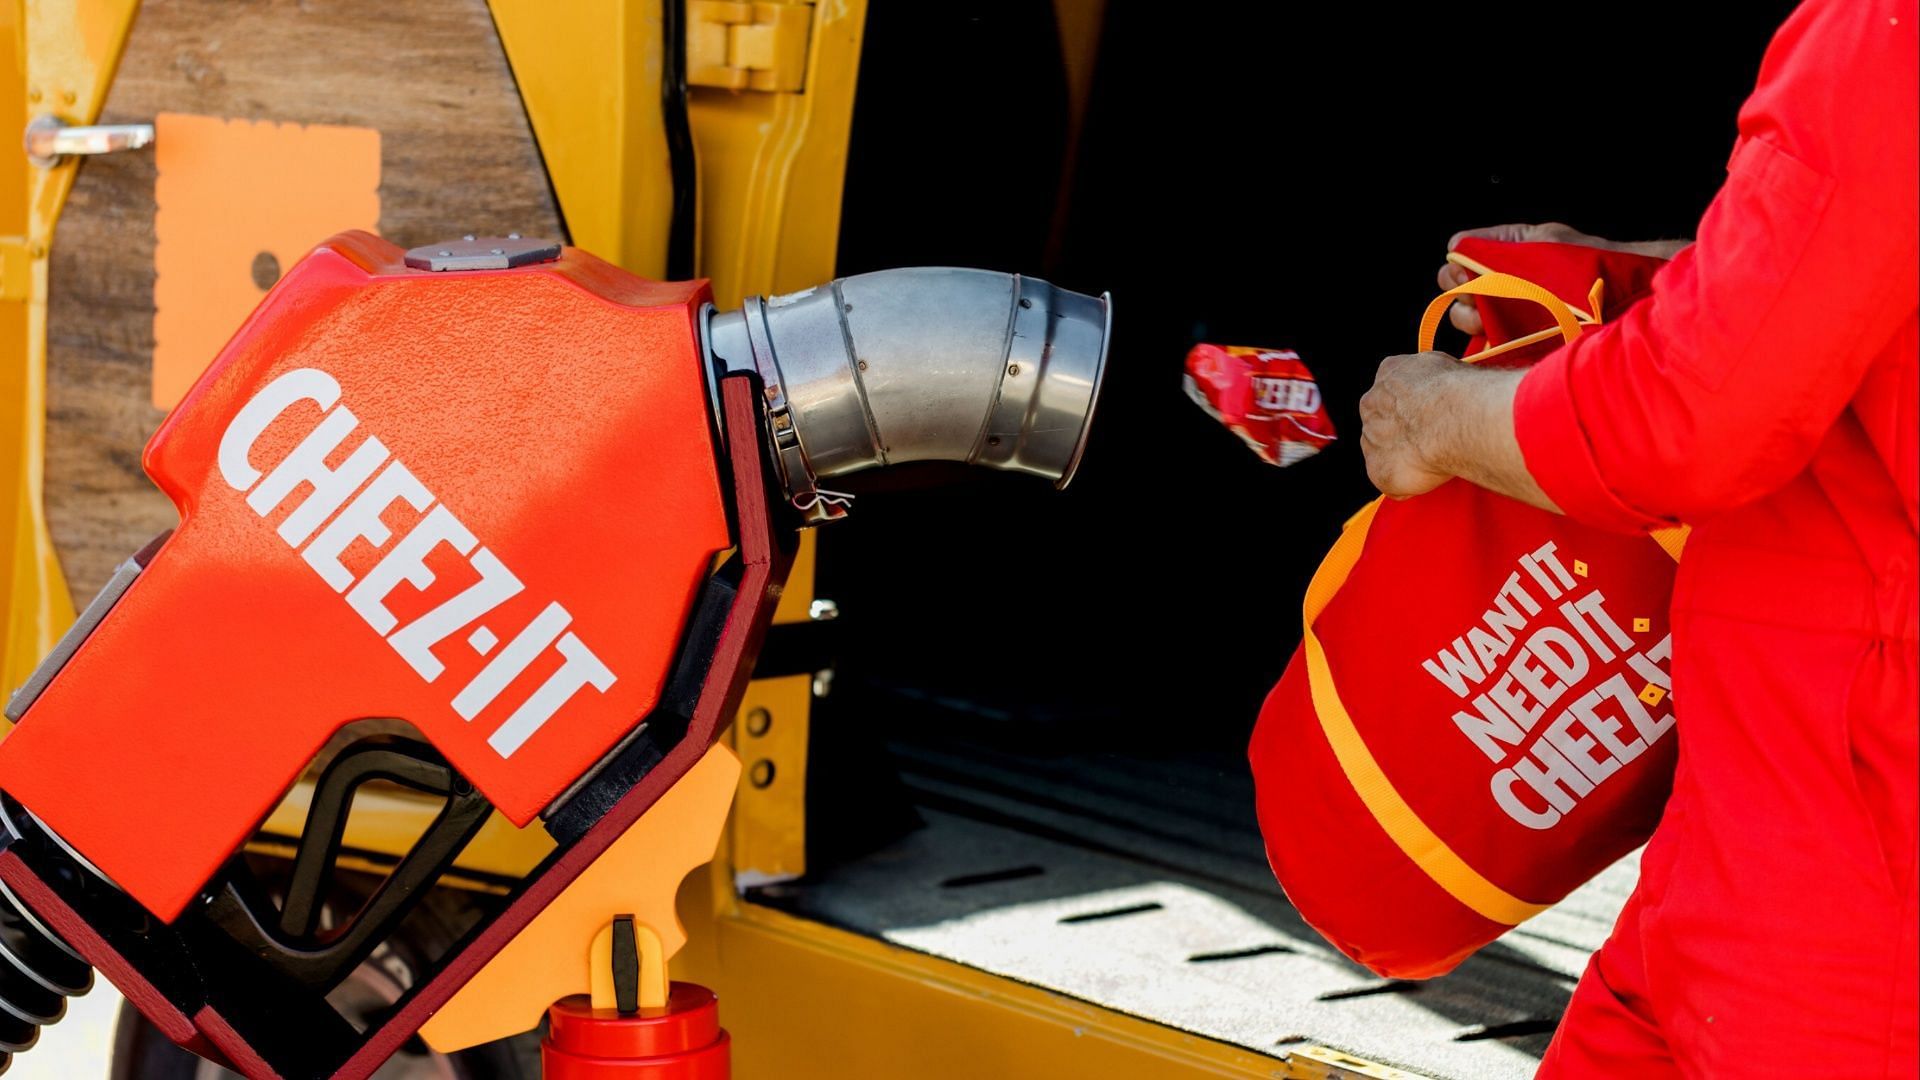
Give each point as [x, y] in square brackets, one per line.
[1720, 386]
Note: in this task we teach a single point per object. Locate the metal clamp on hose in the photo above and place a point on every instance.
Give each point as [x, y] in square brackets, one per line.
[796, 473]
[922, 364]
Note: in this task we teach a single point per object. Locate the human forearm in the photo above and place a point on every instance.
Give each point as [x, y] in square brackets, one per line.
[1430, 418]
[1466, 318]
[1659, 249]
[1478, 442]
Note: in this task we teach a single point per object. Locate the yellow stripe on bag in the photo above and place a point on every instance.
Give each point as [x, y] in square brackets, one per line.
[1414, 838]
[1673, 541]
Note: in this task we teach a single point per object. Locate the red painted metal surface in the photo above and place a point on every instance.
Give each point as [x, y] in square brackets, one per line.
[507, 568]
[89, 944]
[763, 572]
[682, 1041]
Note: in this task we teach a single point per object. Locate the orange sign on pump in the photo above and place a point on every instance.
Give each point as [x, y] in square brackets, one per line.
[478, 501]
[236, 201]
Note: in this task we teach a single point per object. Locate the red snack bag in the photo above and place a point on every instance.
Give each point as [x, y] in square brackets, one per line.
[1265, 396]
[1421, 786]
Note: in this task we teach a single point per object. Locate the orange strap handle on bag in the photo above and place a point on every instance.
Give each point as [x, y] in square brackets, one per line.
[1568, 320]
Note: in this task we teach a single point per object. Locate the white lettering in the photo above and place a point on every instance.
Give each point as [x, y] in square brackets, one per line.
[1513, 592]
[1645, 667]
[1540, 577]
[361, 521]
[1515, 703]
[363, 518]
[1553, 776]
[1587, 632]
[1502, 619]
[1545, 554]
[1534, 680]
[1503, 793]
[1487, 647]
[1454, 667]
[247, 425]
[1594, 606]
[511, 661]
[1605, 728]
[1643, 721]
[1491, 728]
[1583, 746]
[581, 668]
[1562, 655]
[308, 464]
[407, 562]
[415, 641]
[1579, 748]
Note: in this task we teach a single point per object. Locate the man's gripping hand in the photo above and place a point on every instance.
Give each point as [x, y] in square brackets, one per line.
[1466, 318]
[1402, 420]
[1430, 418]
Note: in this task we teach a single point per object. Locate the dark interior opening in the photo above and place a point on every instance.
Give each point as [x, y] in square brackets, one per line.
[1080, 671]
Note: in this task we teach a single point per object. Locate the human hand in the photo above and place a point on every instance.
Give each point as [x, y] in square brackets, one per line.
[1430, 418]
[1466, 318]
[1401, 420]
[1463, 314]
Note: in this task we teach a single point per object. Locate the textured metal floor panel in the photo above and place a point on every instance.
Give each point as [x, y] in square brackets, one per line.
[1141, 885]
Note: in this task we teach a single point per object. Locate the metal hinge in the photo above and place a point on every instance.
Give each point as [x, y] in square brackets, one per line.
[49, 139]
[747, 46]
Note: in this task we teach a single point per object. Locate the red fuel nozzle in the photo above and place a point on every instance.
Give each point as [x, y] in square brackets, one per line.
[683, 1041]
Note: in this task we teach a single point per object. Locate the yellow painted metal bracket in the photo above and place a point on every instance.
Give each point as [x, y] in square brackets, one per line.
[552, 957]
[62, 58]
[590, 73]
[809, 1002]
[771, 732]
[16, 269]
[1321, 1063]
[771, 106]
[773, 165]
[747, 46]
[769, 830]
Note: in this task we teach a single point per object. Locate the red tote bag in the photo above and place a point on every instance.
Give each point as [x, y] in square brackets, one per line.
[1479, 717]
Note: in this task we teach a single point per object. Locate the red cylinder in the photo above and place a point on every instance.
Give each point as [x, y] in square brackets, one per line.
[683, 1041]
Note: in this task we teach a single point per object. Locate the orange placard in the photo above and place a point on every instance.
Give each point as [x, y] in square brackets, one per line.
[238, 201]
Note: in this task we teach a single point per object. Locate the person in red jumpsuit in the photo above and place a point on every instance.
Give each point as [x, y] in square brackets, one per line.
[1766, 395]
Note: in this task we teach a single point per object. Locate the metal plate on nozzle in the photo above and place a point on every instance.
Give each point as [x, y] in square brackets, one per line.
[483, 253]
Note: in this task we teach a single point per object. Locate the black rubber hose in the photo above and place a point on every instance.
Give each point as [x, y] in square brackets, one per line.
[38, 973]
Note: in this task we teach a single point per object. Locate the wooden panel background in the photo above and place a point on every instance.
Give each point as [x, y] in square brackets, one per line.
[457, 155]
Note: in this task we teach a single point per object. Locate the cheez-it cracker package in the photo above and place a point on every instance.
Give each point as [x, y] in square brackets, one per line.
[1265, 396]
